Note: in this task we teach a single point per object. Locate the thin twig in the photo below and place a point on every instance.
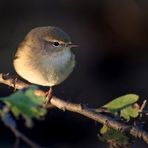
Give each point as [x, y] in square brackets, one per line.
[10, 123]
[143, 105]
[17, 143]
[88, 112]
[142, 111]
[21, 136]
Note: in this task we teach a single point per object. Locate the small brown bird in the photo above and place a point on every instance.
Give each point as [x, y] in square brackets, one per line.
[45, 58]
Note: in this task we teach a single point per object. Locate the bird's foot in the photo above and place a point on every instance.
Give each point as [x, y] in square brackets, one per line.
[48, 98]
[13, 80]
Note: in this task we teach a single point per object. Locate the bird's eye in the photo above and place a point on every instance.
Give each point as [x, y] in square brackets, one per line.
[56, 44]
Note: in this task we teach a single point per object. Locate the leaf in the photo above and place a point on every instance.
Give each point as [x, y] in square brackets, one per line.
[104, 129]
[26, 104]
[129, 112]
[123, 106]
[113, 136]
[121, 102]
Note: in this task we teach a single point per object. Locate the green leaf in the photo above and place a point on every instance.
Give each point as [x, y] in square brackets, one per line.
[121, 102]
[26, 104]
[113, 135]
[129, 112]
[123, 105]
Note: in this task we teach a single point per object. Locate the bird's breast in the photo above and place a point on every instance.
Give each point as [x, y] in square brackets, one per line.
[56, 68]
[43, 68]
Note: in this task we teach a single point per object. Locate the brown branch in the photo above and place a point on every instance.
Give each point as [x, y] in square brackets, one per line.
[12, 81]
[104, 119]
[85, 111]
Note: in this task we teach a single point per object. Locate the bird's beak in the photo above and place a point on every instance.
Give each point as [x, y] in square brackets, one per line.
[70, 45]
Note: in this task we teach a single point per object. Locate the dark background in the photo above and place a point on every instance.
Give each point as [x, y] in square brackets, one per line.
[112, 60]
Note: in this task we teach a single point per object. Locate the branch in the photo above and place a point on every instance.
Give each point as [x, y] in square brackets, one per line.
[83, 110]
[21, 136]
[12, 81]
[9, 122]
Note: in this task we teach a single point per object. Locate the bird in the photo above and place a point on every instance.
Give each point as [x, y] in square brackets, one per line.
[45, 58]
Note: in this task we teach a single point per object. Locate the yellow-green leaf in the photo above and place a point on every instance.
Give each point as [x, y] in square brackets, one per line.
[121, 102]
[129, 112]
[103, 130]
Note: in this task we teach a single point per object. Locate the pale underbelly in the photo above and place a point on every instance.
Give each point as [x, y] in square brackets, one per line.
[45, 75]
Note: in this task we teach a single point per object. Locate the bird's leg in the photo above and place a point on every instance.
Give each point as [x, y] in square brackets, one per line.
[48, 97]
[14, 83]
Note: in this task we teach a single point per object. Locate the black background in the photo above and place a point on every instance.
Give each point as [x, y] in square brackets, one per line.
[112, 60]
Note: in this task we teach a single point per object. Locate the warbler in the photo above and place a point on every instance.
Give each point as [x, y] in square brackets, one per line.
[45, 58]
